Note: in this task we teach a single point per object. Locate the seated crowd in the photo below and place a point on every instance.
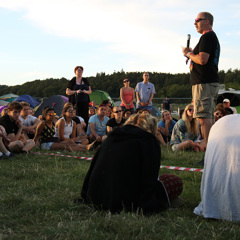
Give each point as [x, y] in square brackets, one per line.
[20, 131]
[113, 129]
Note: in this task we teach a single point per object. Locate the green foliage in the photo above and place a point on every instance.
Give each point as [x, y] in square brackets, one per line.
[174, 85]
[38, 193]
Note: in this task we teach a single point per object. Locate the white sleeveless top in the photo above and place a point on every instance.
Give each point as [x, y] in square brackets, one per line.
[68, 129]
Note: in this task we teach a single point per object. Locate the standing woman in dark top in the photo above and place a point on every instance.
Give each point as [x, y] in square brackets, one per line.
[79, 90]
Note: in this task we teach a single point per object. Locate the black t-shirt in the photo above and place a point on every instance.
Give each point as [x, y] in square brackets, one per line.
[81, 97]
[76, 120]
[166, 104]
[207, 73]
[112, 123]
[10, 126]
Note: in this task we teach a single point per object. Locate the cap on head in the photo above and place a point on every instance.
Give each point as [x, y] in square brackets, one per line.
[226, 100]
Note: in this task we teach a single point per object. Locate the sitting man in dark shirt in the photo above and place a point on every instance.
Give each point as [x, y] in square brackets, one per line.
[117, 120]
[14, 127]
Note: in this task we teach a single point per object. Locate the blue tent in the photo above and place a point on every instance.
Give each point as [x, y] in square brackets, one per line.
[29, 99]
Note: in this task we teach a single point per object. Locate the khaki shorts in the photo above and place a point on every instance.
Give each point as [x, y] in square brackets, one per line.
[204, 99]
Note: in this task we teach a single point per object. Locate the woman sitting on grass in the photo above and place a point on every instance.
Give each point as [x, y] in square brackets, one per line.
[45, 135]
[124, 172]
[66, 128]
[165, 126]
[185, 133]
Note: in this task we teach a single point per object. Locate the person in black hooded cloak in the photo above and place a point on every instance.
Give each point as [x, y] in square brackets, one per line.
[124, 172]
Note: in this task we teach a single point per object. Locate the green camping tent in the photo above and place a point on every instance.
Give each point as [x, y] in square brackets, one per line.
[98, 96]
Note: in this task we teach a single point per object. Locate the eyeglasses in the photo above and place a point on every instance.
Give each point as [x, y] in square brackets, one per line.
[190, 110]
[51, 114]
[199, 19]
[71, 111]
[118, 111]
[218, 114]
[126, 81]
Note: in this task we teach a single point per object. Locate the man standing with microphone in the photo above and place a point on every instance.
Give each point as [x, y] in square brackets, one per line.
[204, 72]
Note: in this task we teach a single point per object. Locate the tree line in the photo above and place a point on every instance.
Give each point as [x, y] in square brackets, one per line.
[166, 84]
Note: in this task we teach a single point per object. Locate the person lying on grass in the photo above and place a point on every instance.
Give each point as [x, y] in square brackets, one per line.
[45, 135]
[124, 172]
[185, 132]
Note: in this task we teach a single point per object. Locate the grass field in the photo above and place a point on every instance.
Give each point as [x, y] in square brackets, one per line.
[37, 202]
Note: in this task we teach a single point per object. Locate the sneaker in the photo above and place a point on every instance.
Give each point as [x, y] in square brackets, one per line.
[7, 157]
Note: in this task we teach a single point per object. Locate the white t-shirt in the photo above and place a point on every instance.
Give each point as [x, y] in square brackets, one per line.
[29, 121]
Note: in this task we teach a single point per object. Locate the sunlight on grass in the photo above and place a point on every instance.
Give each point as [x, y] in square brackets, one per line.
[38, 193]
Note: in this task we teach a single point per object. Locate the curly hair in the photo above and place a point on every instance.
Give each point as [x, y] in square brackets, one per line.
[145, 121]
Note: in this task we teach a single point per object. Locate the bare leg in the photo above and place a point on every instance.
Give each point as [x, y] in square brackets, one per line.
[83, 139]
[16, 146]
[185, 145]
[206, 124]
[160, 139]
[29, 145]
[2, 147]
[68, 147]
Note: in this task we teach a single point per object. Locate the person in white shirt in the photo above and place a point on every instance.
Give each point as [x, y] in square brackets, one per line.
[29, 122]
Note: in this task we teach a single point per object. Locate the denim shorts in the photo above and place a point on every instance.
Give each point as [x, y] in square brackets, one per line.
[46, 145]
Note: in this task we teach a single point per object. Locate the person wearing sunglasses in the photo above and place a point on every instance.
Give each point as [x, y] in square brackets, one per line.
[185, 133]
[220, 112]
[45, 135]
[117, 120]
[204, 72]
[127, 96]
[65, 128]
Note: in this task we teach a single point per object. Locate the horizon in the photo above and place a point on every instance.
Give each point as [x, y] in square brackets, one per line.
[42, 39]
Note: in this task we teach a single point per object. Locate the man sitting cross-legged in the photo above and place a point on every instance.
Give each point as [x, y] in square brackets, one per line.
[29, 122]
[97, 127]
[13, 126]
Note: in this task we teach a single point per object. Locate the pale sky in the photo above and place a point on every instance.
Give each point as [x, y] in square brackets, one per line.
[47, 38]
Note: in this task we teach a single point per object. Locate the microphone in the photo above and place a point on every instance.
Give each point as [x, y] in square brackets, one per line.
[188, 44]
[188, 40]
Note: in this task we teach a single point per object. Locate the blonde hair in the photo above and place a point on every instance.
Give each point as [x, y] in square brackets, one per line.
[145, 121]
[192, 126]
